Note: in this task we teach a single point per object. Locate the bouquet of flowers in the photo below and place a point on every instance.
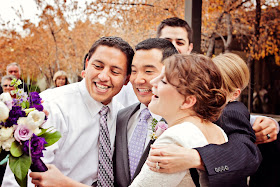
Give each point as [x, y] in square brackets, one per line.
[22, 138]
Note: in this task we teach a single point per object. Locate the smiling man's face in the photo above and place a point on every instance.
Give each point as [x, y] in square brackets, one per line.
[106, 73]
[146, 65]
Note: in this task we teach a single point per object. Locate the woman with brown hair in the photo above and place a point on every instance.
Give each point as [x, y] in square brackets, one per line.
[188, 96]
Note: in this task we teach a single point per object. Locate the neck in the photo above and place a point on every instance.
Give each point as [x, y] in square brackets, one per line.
[181, 119]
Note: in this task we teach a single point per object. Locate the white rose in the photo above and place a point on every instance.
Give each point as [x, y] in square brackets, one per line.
[35, 119]
[6, 133]
[4, 111]
[22, 121]
[8, 143]
[37, 131]
[5, 97]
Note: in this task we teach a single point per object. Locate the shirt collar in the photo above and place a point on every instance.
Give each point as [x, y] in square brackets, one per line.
[93, 106]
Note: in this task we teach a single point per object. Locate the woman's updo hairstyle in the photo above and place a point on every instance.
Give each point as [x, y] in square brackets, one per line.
[197, 75]
[234, 71]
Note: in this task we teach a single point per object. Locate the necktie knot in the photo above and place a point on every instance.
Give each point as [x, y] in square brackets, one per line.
[145, 114]
[104, 110]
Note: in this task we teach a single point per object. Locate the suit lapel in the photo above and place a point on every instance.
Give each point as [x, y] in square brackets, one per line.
[126, 118]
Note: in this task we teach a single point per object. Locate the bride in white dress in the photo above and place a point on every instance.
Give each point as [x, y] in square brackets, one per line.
[187, 94]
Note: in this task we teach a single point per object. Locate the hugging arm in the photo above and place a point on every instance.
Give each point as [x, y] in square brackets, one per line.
[228, 164]
[233, 161]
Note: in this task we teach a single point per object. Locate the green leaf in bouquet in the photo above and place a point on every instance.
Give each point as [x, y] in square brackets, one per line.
[20, 166]
[16, 149]
[25, 104]
[43, 131]
[22, 183]
[51, 138]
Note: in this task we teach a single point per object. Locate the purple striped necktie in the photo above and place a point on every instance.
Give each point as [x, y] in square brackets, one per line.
[137, 143]
[105, 163]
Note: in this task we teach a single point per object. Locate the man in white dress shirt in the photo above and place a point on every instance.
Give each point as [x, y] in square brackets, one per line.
[74, 111]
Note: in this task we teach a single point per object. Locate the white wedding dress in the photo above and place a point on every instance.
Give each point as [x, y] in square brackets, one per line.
[186, 135]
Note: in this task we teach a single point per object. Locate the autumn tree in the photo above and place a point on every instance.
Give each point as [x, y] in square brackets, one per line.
[67, 30]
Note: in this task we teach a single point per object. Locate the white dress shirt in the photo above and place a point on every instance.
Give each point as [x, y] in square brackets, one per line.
[133, 121]
[74, 113]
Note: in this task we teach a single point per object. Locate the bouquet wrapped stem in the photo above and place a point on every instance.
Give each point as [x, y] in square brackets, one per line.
[38, 166]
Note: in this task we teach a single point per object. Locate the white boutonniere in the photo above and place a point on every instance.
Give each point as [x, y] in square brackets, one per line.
[158, 127]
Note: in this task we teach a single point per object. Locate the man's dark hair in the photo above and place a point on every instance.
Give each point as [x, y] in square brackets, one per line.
[85, 61]
[117, 43]
[175, 22]
[164, 45]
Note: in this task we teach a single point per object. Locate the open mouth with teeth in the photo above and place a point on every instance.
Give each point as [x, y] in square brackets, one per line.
[144, 90]
[102, 87]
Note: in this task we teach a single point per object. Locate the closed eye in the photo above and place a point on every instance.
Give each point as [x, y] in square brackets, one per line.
[163, 81]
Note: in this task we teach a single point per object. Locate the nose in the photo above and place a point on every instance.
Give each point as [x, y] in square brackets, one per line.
[139, 78]
[155, 81]
[176, 46]
[104, 75]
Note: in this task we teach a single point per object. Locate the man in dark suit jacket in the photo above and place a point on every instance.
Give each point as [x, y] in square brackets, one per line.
[147, 64]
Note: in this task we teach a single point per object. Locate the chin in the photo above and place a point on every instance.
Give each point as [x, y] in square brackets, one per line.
[153, 108]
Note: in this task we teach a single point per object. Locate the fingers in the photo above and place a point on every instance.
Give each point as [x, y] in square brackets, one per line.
[36, 175]
[262, 127]
[162, 167]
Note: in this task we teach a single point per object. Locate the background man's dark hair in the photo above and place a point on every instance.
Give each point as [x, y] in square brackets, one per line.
[175, 22]
[164, 45]
[115, 42]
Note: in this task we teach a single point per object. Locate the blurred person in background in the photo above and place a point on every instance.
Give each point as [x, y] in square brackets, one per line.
[6, 83]
[15, 70]
[60, 79]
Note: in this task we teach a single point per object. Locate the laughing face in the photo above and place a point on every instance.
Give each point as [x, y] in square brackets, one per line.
[166, 100]
[146, 65]
[106, 73]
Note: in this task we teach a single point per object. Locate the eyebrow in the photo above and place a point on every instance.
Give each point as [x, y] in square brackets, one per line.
[146, 66]
[180, 39]
[117, 67]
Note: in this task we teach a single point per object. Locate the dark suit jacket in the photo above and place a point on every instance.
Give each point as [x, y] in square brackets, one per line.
[121, 160]
[268, 172]
[240, 156]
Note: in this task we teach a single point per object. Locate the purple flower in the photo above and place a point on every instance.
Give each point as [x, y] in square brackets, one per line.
[37, 107]
[160, 128]
[37, 147]
[14, 114]
[35, 101]
[22, 133]
[34, 98]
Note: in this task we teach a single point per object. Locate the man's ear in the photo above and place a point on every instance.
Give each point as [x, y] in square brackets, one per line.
[83, 72]
[127, 80]
[235, 94]
[190, 48]
[189, 102]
